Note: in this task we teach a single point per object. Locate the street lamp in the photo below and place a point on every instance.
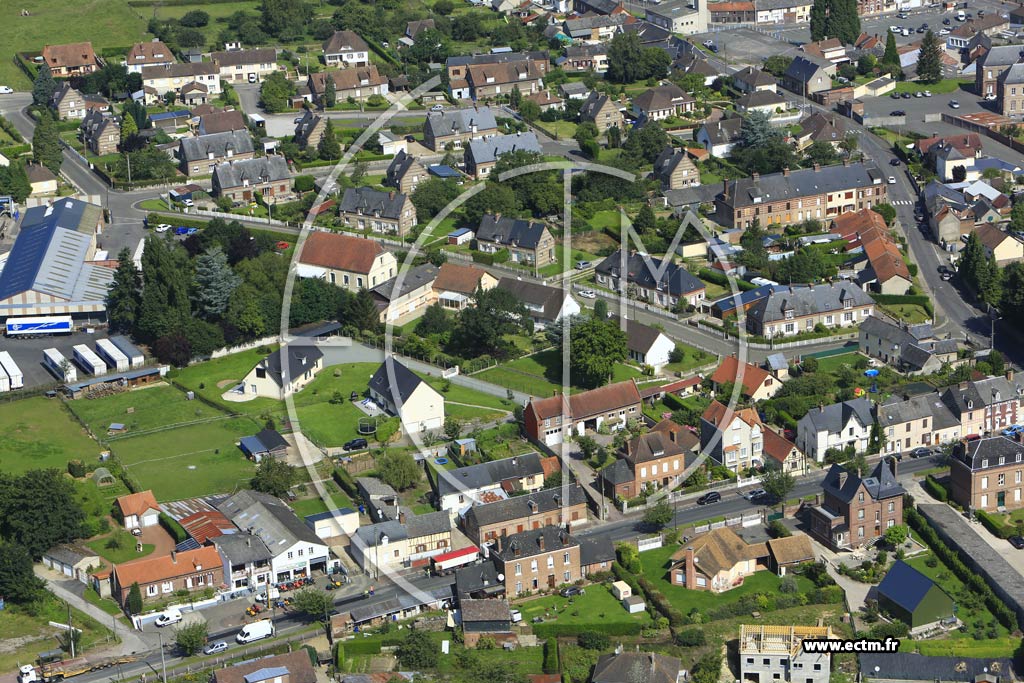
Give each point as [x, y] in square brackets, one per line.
[993, 314]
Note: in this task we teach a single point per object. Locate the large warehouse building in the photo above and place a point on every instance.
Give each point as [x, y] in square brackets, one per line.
[51, 270]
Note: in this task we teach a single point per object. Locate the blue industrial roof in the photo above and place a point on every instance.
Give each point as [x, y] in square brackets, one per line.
[329, 514]
[252, 445]
[443, 171]
[459, 233]
[905, 586]
[170, 115]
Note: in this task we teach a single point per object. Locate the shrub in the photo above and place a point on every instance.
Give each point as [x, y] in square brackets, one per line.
[691, 637]
[172, 527]
[592, 640]
[779, 530]
[993, 524]
[935, 489]
[345, 481]
[551, 656]
[76, 468]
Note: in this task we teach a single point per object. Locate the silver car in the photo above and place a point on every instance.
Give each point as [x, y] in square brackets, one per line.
[215, 648]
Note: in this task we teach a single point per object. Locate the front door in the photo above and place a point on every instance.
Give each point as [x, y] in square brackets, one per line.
[1001, 499]
[551, 581]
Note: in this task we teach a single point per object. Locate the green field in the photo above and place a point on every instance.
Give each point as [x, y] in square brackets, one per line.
[692, 358]
[141, 410]
[216, 11]
[464, 403]
[332, 424]
[541, 374]
[911, 313]
[39, 433]
[597, 604]
[118, 547]
[27, 632]
[189, 461]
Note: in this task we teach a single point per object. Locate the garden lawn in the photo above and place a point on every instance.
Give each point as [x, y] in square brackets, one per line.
[152, 407]
[215, 10]
[911, 313]
[692, 358]
[228, 372]
[560, 130]
[831, 364]
[39, 433]
[332, 424]
[313, 506]
[540, 374]
[465, 403]
[565, 260]
[123, 552]
[597, 605]
[186, 462]
[944, 86]
[655, 569]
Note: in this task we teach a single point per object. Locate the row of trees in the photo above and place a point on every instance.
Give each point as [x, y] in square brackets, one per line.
[1000, 287]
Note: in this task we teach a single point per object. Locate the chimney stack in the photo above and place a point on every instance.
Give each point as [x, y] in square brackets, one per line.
[498, 540]
[401, 516]
[540, 541]
[725, 188]
[174, 557]
[892, 466]
[691, 568]
[1009, 374]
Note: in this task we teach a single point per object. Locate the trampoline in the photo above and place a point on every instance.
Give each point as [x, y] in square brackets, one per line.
[440, 461]
[871, 373]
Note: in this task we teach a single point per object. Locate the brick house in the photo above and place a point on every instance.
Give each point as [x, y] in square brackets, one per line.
[602, 111]
[675, 169]
[717, 561]
[658, 459]
[405, 172]
[496, 80]
[990, 65]
[459, 67]
[456, 127]
[201, 155]
[100, 132]
[547, 507]
[986, 474]
[538, 559]
[985, 406]
[527, 242]
[856, 510]
[238, 66]
[358, 83]
[71, 59]
[364, 208]
[267, 176]
[160, 577]
[309, 128]
[291, 667]
[69, 103]
[552, 419]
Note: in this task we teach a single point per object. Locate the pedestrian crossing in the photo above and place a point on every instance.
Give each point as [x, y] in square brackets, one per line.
[902, 202]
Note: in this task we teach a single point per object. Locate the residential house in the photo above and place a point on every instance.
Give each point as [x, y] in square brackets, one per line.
[828, 50]
[404, 173]
[488, 482]
[221, 122]
[484, 522]
[347, 49]
[194, 94]
[1010, 90]
[458, 67]
[790, 552]
[776, 653]
[406, 296]
[808, 75]
[163, 576]
[883, 269]
[733, 437]
[795, 196]
[835, 426]
[164, 79]
[733, 12]
[364, 208]
[72, 560]
[346, 261]
[153, 53]
[69, 103]
[916, 421]
[651, 461]
[292, 667]
[455, 128]
[401, 392]
[675, 169]
[990, 65]
[414, 28]
[764, 101]
[598, 6]
[757, 383]
[239, 66]
[719, 137]
[1001, 246]
[538, 559]
[357, 83]
[784, 452]
[986, 474]
[272, 378]
[481, 156]
[545, 305]
[553, 419]
[485, 618]
[622, 666]
[664, 283]
[574, 90]
[751, 79]
[594, 28]
[785, 312]
[138, 510]
[456, 286]
[987, 405]
[602, 111]
[912, 349]
[527, 242]
[696, 63]
[101, 133]
[686, 17]
[409, 541]
[70, 59]
[663, 101]
[589, 57]
[245, 560]
[716, 561]
[965, 35]
[856, 511]
[297, 551]
[949, 214]
[819, 127]
[42, 181]
[382, 501]
[648, 345]
[241, 181]
[201, 155]
[783, 11]
[309, 129]
[487, 81]
[913, 598]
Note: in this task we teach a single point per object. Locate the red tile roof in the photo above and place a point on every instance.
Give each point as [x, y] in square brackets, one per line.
[137, 503]
[340, 252]
[452, 277]
[69, 56]
[753, 376]
[202, 526]
[594, 402]
[164, 568]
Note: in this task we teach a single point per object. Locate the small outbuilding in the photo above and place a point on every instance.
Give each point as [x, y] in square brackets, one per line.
[268, 443]
[621, 590]
[634, 604]
[913, 598]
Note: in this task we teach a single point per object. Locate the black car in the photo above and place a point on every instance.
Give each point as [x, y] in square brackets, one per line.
[946, 22]
[355, 444]
[907, 96]
[894, 161]
[897, 112]
[895, 95]
[570, 591]
[709, 498]
[920, 453]
[1017, 542]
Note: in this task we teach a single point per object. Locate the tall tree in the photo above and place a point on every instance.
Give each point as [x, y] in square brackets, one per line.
[43, 87]
[594, 348]
[18, 583]
[819, 19]
[843, 21]
[14, 182]
[329, 148]
[273, 476]
[135, 599]
[191, 637]
[46, 149]
[398, 470]
[481, 327]
[890, 57]
[929, 62]
[624, 58]
[330, 92]
[129, 128]
[39, 509]
[285, 19]
[757, 130]
[125, 295]
[166, 305]
[214, 282]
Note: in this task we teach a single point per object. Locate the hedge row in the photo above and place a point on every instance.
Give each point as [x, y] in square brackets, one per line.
[658, 600]
[896, 299]
[346, 482]
[630, 579]
[554, 630]
[672, 401]
[937, 490]
[722, 279]
[15, 150]
[951, 559]
[172, 527]
[9, 128]
[995, 526]
[551, 656]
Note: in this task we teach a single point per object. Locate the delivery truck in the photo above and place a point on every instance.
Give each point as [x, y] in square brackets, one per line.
[111, 355]
[12, 370]
[37, 326]
[88, 360]
[257, 630]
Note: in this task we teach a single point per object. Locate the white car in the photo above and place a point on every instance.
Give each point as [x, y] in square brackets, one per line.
[163, 227]
[187, 202]
[944, 32]
[895, 29]
[437, 107]
[6, 90]
[954, 104]
[927, 93]
[588, 294]
[892, 180]
[991, 97]
[215, 648]
[517, 616]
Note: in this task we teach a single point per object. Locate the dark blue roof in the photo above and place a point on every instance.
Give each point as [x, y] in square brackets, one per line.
[181, 113]
[252, 445]
[37, 230]
[905, 586]
[727, 304]
[443, 171]
[328, 514]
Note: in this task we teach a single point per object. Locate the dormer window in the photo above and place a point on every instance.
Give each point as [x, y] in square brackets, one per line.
[984, 463]
[847, 304]
[789, 315]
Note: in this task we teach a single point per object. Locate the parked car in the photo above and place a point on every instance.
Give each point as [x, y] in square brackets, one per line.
[582, 265]
[187, 202]
[252, 78]
[588, 294]
[1013, 430]
[921, 452]
[709, 498]
[892, 180]
[946, 22]
[894, 162]
[163, 227]
[437, 107]
[897, 112]
[355, 444]
[136, 531]
[570, 591]
[927, 93]
[1017, 542]
[919, 94]
[215, 648]
[168, 618]
[947, 276]
[906, 96]
[6, 90]
[895, 95]
[756, 494]
[954, 104]
[944, 32]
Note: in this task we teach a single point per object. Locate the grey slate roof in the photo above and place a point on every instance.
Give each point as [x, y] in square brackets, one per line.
[299, 357]
[269, 518]
[368, 201]
[429, 524]
[479, 577]
[496, 58]
[910, 666]
[518, 507]
[510, 231]
[802, 183]
[990, 449]
[266, 169]
[242, 548]
[656, 668]
[881, 484]
[1013, 75]
[70, 553]
[460, 121]
[593, 551]
[585, 50]
[804, 301]
[260, 55]
[535, 295]
[528, 543]
[897, 411]
[724, 131]
[398, 167]
[617, 473]
[485, 610]
[641, 271]
[803, 68]
[412, 280]
[495, 471]
[760, 98]
[573, 88]
[487, 151]
[373, 534]
[754, 77]
[405, 383]
[592, 105]
[832, 418]
[199, 148]
[905, 586]
[977, 394]
[1002, 55]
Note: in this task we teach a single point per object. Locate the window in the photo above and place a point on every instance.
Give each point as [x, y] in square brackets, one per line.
[860, 532]
[290, 555]
[151, 590]
[567, 576]
[750, 660]
[860, 496]
[519, 587]
[533, 566]
[551, 562]
[892, 506]
[860, 514]
[1002, 480]
[565, 558]
[300, 552]
[766, 662]
[817, 667]
[519, 569]
[984, 482]
[167, 587]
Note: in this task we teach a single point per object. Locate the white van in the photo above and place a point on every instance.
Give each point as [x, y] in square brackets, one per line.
[257, 630]
[960, 16]
[171, 616]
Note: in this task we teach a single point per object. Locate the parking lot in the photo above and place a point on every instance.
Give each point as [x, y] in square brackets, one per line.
[740, 46]
[28, 354]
